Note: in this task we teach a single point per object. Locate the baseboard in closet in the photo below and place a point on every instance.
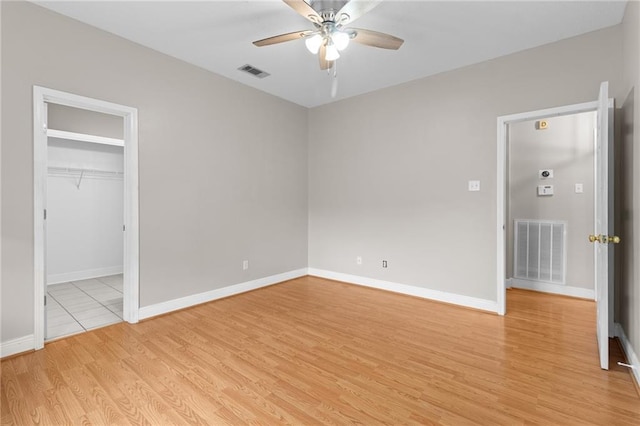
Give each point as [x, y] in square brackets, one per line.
[83, 275]
[564, 290]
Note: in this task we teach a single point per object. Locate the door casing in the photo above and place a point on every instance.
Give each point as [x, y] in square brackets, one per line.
[501, 193]
[41, 97]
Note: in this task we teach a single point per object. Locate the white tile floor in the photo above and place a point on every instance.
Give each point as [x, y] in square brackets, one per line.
[77, 306]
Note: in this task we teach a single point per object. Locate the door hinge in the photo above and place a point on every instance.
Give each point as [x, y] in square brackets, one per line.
[123, 228]
[45, 300]
[45, 214]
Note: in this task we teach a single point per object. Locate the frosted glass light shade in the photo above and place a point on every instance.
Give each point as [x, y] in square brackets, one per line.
[332, 53]
[340, 39]
[313, 43]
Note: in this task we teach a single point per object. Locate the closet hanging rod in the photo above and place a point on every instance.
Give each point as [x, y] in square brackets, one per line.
[85, 171]
[63, 134]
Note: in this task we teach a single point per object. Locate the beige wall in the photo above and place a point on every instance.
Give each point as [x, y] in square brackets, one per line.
[628, 290]
[566, 147]
[60, 117]
[388, 170]
[223, 167]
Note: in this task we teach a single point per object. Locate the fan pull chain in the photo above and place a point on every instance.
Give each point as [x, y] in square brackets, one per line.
[334, 80]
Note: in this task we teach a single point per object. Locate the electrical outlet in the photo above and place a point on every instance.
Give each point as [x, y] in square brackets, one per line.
[384, 263]
[359, 260]
[474, 185]
[245, 265]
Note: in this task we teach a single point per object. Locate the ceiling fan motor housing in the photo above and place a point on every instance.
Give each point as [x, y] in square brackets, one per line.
[327, 9]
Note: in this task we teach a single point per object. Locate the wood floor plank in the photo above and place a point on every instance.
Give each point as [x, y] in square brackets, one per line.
[313, 351]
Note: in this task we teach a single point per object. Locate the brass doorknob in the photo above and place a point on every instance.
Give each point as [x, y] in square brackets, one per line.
[594, 238]
[604, 239]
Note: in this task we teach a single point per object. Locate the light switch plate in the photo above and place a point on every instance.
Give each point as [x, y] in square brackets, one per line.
[474, 185]
[579, 188]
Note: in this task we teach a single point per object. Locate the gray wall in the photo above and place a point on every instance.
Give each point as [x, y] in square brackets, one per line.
[223, 167]
[388, 170]
[60, 117]
[628, 290]
[567, 147]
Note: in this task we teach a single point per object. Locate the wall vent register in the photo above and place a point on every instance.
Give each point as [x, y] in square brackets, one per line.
[540, 251]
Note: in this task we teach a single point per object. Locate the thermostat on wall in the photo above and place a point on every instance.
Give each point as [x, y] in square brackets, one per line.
[545, 189]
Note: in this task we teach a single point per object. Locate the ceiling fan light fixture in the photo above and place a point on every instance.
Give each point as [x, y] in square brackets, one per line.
[313, 43]
[332, 52]
[340, 40]
[330, 36]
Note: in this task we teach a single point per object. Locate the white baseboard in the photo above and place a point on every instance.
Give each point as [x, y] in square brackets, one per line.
[15, 346]
[83, 275]
[508, 283]
[632, 357]
[564, 290]
[440, 296]
[208, 296]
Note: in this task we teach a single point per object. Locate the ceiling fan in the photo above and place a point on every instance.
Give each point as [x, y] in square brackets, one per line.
[331, 35]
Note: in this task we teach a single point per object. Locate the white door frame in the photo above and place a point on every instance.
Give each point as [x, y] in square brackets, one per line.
[501, 232]
[41, 97]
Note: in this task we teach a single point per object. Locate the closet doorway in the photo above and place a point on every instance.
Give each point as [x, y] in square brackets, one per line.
[86, 214]
[84, 204]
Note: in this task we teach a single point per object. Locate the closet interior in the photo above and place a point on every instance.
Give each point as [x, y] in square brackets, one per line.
[84, 220]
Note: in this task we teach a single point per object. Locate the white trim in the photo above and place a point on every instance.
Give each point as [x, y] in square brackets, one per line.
[208, 296]
[440, 296]
[565, 290]
[501, 230]
[501, 220]
[550, 112]
[39, 189]
[16, 346]
[63, 134]
[131, 267]
[632, 357]
[41, 97]
[83, 275]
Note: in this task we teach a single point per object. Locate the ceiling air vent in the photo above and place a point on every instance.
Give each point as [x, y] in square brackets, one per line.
[254, 71]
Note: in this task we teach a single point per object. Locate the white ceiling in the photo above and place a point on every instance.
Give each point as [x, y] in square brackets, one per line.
[439, 36]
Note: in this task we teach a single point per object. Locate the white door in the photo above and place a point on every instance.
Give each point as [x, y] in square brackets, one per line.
[601, 237]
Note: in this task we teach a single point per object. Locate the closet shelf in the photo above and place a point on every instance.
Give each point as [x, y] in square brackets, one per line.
[63, 134]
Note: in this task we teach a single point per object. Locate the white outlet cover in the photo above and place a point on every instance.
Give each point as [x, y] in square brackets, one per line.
[474, 185]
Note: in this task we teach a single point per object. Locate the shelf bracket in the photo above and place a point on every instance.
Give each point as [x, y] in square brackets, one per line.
[80, 180]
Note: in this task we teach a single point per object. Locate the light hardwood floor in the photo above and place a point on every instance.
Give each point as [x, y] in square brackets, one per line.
[312, 351]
